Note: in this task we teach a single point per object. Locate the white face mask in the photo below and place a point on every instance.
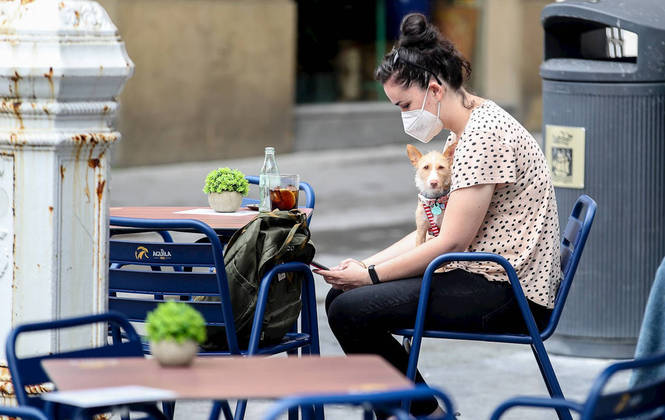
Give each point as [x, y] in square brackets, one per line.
[421, 124]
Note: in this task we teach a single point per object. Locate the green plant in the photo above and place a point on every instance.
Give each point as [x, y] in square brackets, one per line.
[225, 179]
[175, 321]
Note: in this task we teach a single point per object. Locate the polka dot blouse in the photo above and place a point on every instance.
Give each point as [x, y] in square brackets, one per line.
[521, 223]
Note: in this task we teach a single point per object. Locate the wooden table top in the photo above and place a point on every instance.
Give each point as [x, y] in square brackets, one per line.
[232, 377]
[216, 221]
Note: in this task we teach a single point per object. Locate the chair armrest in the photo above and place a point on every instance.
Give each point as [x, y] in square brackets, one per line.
[508, 268]
[264, 288]
[541, 402]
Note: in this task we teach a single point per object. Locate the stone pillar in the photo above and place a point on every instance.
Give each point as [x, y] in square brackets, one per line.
[498, 72]
[62, 65]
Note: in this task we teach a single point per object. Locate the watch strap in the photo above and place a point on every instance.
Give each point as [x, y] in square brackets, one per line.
[373, 275]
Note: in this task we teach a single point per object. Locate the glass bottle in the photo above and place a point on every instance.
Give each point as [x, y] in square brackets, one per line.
[268, 178]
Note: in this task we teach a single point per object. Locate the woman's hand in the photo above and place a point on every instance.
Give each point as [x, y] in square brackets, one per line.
[345, 263]
[351, 276]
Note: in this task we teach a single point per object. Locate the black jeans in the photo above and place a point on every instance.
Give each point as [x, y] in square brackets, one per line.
[362, 318]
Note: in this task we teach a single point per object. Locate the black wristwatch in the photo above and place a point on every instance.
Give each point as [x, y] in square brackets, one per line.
[373, 275]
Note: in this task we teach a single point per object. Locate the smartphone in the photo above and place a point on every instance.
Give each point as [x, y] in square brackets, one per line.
[319, 266]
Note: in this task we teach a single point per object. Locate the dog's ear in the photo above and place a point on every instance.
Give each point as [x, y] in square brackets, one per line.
[450, 150]
[414, 154]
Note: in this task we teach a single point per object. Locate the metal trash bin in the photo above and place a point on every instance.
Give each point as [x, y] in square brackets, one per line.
[604, 135]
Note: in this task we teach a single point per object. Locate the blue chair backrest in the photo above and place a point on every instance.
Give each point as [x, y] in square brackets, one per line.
[29, 371]
[26, 413]
[175, 279]
[631, 402]
[573, 240]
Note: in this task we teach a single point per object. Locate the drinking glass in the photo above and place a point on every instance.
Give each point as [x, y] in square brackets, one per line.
[285, 195]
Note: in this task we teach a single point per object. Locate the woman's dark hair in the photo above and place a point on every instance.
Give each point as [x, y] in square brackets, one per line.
[420, 53]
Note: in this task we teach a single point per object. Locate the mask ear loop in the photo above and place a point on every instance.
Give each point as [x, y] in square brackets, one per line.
[438, 108]
[438, 112]
[422, 108]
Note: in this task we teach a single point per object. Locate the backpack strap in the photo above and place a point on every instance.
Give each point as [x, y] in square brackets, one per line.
[289, 238]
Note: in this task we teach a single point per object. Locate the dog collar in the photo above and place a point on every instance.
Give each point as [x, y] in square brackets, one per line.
[441, 201]
[432, 207]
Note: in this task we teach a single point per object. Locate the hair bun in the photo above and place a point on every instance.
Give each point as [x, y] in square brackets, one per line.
[416, 32]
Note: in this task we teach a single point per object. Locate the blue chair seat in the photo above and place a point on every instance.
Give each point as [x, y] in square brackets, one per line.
[498, 338]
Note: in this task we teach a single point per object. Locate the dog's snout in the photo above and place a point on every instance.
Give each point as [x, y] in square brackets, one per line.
[434, 183]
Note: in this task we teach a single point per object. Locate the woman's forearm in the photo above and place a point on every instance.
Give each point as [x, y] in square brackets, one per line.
[413, 262]
[465, 212]
[405, 244]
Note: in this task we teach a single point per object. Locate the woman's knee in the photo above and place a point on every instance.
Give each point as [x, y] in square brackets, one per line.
[331, 296]
[343, 312]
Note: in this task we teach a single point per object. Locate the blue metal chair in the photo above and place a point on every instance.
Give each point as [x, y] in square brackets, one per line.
[27, 371]
[310, 199]
[25, 413]
[187, 283]
[386, 401]
[647, 402]
[572, 244]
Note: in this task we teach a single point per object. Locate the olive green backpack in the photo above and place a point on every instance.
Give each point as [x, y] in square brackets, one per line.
[269, 239]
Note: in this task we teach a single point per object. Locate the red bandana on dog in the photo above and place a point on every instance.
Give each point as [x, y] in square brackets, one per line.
[432, 207]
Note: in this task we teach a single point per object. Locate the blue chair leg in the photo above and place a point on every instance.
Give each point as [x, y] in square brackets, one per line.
[306, 323]
[168, 407]
[307, 413]
[228, 415]
[549, 377]
[293, 412]
[220, 407]
[216, 409]
[241, 406]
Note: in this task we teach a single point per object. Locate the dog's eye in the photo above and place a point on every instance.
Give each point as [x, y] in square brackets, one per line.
[426, 167]
[440, 166]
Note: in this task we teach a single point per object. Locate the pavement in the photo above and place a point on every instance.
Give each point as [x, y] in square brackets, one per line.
[365, 199]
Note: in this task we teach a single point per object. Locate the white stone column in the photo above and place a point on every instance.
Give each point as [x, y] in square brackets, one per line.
[62, 66]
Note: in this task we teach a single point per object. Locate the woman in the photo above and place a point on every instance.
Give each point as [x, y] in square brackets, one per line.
[501, 200]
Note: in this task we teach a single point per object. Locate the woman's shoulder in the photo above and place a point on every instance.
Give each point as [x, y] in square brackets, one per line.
[492, 120]
[501, 115]
[490, 115]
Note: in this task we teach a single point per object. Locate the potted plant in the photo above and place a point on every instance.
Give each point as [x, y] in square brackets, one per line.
[175, 330]
[225, 188]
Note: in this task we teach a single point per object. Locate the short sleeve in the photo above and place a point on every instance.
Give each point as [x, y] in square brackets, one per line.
[449, 141]
[482, 158]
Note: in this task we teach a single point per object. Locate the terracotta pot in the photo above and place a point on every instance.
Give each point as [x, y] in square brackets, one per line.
[225, 202]
[172, 353]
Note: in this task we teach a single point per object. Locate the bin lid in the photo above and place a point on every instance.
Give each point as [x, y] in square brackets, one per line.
[604, 40]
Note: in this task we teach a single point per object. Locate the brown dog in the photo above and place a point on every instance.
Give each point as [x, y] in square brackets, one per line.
[433, 172]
